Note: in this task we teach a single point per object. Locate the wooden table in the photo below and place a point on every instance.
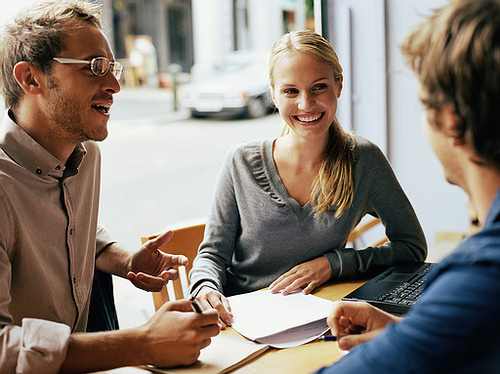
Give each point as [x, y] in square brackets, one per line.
[298, 360]
[305, 358]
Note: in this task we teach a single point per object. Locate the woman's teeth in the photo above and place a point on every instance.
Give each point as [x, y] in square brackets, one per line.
[310, 118]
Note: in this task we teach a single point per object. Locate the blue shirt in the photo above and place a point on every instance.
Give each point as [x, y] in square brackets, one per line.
[455, 327]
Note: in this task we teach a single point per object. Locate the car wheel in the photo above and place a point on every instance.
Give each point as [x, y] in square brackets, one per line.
[256, 108]
[196, 114]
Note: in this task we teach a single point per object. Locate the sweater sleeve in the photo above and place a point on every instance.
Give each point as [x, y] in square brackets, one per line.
[378, 193]
[216, 249]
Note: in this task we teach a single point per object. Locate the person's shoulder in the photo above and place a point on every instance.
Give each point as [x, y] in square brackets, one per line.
[366, 150]
[363, 144]
[247, 149]
[9, 169]
[250, 145]
[479, 251]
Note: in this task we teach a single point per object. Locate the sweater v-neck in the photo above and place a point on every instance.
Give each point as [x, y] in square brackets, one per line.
[277, 183]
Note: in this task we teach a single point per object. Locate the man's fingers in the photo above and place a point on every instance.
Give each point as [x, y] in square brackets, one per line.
[346, 314]
[179, 260]
[350, 341]
[147, 282]
[169, 275]
[161, 239]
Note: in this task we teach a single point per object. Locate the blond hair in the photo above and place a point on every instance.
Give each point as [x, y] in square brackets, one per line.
[36, 35]
[455, 55]
[333, 186]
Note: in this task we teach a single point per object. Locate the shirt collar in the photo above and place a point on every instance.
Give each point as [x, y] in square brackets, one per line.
[25, 151]
[494, 212]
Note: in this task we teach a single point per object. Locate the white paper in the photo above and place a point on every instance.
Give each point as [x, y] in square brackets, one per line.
[296, 336]
[278, 320]
[223, 355]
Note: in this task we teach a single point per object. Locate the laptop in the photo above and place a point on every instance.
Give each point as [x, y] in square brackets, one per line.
[396, 289]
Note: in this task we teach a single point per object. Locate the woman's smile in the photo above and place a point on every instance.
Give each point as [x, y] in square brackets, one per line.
[309, 119]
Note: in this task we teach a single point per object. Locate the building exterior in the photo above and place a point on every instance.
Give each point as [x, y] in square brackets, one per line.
[379, 96]
[188, 31]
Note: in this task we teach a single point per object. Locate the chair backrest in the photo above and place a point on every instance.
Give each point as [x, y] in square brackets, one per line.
[185, 241]
[188, 238]
[357, 235]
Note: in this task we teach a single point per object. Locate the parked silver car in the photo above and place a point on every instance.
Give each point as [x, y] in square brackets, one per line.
[238, 86]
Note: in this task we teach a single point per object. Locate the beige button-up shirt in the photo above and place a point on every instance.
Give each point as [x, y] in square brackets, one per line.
[49, 239]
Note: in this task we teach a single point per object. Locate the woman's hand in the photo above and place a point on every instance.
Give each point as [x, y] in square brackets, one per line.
[211, 298]
[308, 276]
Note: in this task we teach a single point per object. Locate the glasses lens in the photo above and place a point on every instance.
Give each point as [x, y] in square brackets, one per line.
[116, 69]
[100, 66]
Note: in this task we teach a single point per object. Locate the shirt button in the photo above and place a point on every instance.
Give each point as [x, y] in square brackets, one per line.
[74, 280]
[71, 231]
[58, 167]
[39, 171]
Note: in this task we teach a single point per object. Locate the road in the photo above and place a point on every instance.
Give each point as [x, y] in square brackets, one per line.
[160, 168]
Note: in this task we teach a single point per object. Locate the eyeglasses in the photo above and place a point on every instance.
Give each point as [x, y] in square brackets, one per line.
[100, 66]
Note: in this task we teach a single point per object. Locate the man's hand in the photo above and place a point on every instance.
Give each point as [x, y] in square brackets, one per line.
[308, 276]
[358, 321]
[213, 299]
[175, 334]
[150, 268]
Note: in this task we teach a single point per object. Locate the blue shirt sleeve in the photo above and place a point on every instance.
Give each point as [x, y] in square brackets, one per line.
[454, 328]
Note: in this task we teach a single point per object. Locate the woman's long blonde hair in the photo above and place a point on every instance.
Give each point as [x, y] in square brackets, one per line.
[333, 186]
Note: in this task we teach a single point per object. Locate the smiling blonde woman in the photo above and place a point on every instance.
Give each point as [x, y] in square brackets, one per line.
[284, 208]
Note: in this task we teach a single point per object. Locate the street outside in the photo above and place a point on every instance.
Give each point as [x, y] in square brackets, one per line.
[159, 169]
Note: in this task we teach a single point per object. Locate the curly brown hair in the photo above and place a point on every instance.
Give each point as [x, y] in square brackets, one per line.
[36, 35]
[455, 55]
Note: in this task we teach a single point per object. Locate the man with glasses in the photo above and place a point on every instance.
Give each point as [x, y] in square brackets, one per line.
[58, 78]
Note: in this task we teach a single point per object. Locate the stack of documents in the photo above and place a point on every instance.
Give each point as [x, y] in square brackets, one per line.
[280, 321]
[223, 355]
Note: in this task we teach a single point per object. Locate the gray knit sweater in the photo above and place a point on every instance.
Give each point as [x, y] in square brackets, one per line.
[255, 231]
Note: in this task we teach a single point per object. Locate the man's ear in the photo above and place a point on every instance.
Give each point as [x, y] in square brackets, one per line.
[449, 121]
[27, 77]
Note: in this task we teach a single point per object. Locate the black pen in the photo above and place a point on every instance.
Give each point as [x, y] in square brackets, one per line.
[329, 338]
[195, 304]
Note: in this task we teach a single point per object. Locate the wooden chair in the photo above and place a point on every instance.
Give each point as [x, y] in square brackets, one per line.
[359, 231]
[185, 241]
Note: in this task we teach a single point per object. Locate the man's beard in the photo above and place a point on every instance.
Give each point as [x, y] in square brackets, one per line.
[67, 116]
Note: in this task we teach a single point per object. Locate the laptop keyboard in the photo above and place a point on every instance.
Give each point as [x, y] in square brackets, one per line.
[407, 293]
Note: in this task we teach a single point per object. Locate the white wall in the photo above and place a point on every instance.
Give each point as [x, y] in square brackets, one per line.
[265, 26]
[358, 37]
[440, 206]
[9, 8]
[367, 35]
[212, 32]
